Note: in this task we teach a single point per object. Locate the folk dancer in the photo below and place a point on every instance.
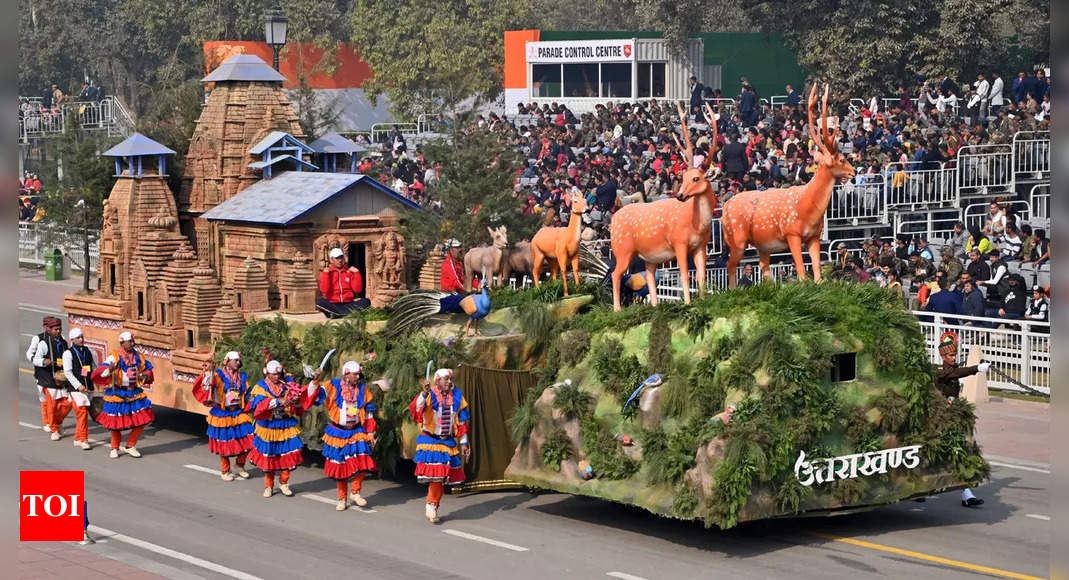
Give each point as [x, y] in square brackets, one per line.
[277, 403]
[946, 380]
[350, 437]
[126, 406]
[45, 352]
[226, 392]
[442, 412]
[78, 367]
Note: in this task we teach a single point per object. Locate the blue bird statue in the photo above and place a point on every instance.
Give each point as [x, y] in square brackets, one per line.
[654, 380]
[411, 310]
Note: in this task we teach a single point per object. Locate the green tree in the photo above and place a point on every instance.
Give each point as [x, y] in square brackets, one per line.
[475, 190]
[428, 58]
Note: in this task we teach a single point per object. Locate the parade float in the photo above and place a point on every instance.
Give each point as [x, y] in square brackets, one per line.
[771, 401]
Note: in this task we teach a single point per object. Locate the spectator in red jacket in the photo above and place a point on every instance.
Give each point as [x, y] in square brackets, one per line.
[452, 279]
[340, 287]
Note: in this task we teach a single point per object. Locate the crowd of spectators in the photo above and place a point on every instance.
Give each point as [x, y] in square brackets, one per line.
[45, 111]
[29, 198]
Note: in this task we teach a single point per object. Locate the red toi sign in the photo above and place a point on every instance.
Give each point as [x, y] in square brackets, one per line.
[51, 505]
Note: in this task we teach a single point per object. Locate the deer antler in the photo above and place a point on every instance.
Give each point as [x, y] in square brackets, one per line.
[688, 149]
[813, 128]
[712, 144]
[830, 144]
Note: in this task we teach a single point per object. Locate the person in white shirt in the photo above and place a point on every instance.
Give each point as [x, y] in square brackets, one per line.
[996, 93]
[1011, 244]
[77, 366]
[996, 221]
[45, 352]
[983, 90]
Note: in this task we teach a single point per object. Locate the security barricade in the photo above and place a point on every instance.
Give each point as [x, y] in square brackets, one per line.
[985, 170]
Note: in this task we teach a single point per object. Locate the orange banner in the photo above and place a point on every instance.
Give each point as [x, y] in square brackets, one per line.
[348, 71]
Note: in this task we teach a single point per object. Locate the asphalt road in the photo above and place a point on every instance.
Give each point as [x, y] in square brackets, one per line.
[169, 513]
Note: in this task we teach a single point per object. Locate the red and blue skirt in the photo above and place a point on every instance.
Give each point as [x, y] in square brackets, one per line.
[229, 432]
[125, 408]
[346, 452]
[438, 460]
[276, 444]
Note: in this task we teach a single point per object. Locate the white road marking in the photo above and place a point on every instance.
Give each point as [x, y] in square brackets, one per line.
[42, 309]
[1021, 467]
[40, 428]
[195, 561]
[468, 536]
[326, 500]
[624, 576]
[1038, 517]
[204, 469]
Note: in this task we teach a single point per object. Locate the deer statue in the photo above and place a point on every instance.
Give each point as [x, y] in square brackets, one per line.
[486, 258]
[775, 219]
[559, 244]
[669, 228]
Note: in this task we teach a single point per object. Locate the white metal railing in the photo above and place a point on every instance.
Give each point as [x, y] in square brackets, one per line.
[930, 227]
[107, 114]
[857, 201]
[1039, 201]
[909, 187]
[39, 124]
[1031, 155]
[985, 170]
[381, 130]
[36, 239]
[1020, 350]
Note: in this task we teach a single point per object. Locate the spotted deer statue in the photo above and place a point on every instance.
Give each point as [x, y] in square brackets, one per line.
[669, 228]
[559, 245]
[777, 219]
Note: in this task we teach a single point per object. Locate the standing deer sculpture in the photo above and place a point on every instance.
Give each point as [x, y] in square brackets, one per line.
[560, 245]
[487, 258]
[668, 228]
[775, 219]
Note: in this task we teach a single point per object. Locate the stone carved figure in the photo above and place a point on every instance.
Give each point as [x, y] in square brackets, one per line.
[389, 253]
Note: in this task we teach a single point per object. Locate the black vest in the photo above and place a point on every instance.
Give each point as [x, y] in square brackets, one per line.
[82, 356]
[44, 375]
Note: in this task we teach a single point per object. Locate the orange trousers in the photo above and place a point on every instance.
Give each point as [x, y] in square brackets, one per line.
[54, 411]
[283, 478]
[434, 493]
[224, 462]
[131, 440]
[358, 482]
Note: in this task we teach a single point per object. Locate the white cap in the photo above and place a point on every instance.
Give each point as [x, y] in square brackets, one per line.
[232, 355]
[273, 366]
[125, 336]
[336, 253]
[443, 373]
[452, 243]
[352, 367]
[75, 333]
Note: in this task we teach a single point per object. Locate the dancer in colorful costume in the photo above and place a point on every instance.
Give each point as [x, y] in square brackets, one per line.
[45, 354]
[226, 391]
[350, 436]
[125, 373]
[442, 413]
[277, 405]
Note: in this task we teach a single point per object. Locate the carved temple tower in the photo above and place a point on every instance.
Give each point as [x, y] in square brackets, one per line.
[246, 104]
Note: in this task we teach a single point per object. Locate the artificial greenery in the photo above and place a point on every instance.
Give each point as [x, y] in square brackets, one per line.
[556, 448]
[573, 346]
[572, 402]
[523, 420]
[266, 334]
[604, 451]
[659, 358]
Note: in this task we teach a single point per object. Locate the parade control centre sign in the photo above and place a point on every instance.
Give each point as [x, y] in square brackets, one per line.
[575, 51]
[854, 465]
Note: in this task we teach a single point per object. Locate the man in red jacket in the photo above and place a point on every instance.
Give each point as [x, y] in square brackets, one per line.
[340, 286]
[452, 279]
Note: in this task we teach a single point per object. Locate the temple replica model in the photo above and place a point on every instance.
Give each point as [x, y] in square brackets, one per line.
[247, 234]
[770, 401]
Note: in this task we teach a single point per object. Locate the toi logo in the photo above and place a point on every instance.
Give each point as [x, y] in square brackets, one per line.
[51, 505]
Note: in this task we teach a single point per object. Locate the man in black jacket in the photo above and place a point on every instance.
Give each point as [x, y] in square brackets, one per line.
[1014, 300]
[696, 99]
[977, 268]
[734, 157]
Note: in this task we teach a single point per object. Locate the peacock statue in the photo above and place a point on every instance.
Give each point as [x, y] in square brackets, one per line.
[411, 310]
[633, 283]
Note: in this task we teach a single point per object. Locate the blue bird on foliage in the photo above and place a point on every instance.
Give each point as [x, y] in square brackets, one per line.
[654, 380]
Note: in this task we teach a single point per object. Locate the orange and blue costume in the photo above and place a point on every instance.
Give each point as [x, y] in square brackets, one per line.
[348, 437]
[443, 415]
[276, 443]
[126, 406]
[229, 425]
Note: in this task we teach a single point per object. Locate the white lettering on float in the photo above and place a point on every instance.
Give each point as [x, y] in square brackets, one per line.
[826, 470]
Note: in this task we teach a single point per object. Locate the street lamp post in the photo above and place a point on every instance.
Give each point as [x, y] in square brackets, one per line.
[275, 25]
